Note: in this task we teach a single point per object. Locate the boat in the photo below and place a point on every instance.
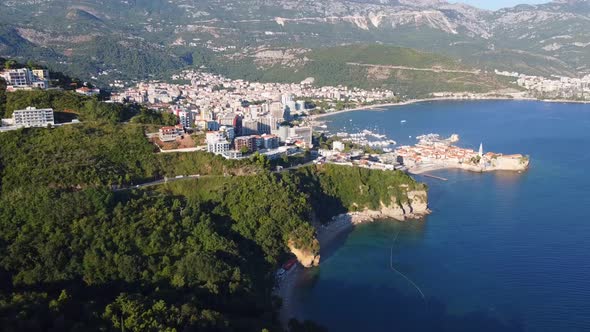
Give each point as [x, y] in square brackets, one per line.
[289, 264]
[403, 121]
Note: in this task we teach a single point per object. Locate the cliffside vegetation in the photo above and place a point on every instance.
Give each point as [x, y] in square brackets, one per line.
[339, 189]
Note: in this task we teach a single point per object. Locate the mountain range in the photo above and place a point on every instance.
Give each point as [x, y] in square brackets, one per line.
[145, 38]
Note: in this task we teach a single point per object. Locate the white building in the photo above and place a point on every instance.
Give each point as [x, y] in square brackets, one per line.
[86, 91]
[338, 146]
[218, 147]
[217, 143]
[24, 78]
[33, 117]
[186, 118]
[18, 77]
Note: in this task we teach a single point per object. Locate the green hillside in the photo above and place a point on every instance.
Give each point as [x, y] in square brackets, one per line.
[412, 73]
[383, 55]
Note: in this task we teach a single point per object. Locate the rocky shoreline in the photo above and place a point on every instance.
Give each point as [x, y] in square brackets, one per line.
[415, 208]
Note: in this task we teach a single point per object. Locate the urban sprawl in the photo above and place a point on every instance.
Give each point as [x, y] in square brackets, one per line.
[235, 118]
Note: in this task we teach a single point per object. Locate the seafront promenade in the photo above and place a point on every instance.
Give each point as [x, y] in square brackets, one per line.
[380, 107]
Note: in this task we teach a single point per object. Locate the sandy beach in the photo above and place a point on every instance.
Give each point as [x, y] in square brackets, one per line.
[378, 107]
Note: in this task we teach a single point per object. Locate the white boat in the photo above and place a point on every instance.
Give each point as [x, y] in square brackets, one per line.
[403, 121]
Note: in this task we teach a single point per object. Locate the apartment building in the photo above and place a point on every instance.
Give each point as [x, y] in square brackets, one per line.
[33, 117]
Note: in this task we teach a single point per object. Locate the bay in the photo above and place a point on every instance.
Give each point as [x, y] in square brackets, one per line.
[500, 252]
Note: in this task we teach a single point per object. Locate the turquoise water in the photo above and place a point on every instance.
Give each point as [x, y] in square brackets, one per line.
[500, 252]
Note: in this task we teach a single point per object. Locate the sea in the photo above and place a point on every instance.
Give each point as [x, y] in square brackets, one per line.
[500, 251]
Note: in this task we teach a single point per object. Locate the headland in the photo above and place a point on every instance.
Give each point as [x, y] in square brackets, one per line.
[433, 152]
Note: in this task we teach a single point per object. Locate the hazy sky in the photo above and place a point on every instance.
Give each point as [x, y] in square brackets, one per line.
[497, 4]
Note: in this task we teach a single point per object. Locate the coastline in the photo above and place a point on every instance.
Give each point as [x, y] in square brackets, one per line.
[327, 235]
[377, 107]
[421, 170]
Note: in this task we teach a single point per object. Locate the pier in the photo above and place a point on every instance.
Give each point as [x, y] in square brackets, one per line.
[435, 177]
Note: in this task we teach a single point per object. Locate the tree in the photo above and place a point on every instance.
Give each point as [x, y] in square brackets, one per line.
[10, 64]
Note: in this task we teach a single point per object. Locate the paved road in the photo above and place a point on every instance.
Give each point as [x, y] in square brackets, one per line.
[166, 180]
[434, 70]
[197, 176]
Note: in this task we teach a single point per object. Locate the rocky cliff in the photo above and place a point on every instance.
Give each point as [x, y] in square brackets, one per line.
[307, 258]
[415, 207]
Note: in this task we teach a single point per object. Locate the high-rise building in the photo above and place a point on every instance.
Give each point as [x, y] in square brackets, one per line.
[185, 118]
[254, 111]
[227, 119]
[249, 127]
[276, 110]
[33, 117]
[283, 133]
[303, 133]
[267, 124]
[270, 141]
[228, 132]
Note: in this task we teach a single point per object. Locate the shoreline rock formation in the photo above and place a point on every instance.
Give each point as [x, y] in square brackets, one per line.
[416, 207]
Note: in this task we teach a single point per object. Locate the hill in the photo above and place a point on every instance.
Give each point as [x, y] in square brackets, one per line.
[193, 255]
[139, 39]
[407, 72]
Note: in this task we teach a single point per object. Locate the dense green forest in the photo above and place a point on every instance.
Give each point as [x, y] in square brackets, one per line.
[76, 256]
[335, 189]
[196, 254]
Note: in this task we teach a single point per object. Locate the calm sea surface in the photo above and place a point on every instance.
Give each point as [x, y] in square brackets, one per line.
[500, 252]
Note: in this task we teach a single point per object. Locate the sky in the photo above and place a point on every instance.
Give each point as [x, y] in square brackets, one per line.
[497, 4]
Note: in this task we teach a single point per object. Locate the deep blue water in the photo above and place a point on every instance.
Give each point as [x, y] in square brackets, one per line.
[500, 252]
